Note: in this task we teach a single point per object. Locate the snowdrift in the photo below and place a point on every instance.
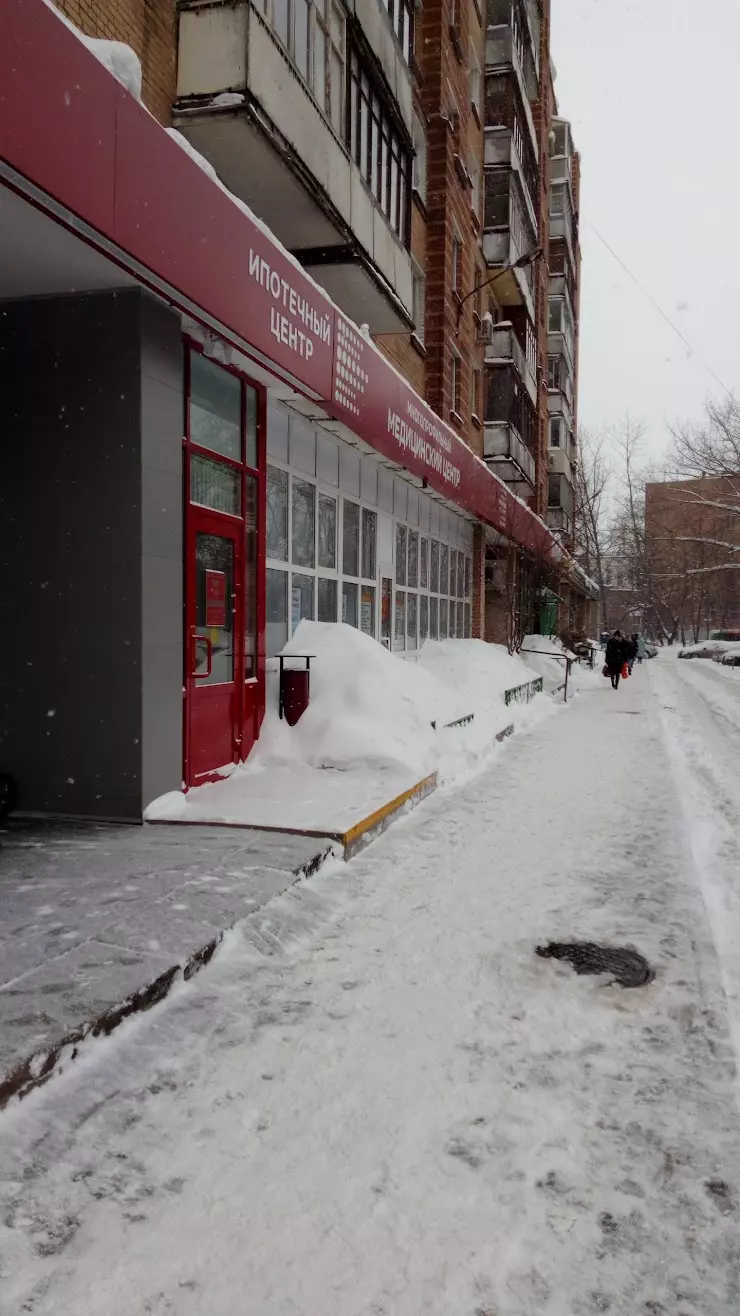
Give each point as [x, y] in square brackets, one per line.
[371, 710]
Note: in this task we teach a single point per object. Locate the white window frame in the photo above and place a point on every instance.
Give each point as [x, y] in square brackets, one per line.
[419, 162]
[475, 80]
[419, 301]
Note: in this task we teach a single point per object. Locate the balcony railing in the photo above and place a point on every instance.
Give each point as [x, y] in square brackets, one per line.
[558, 520]
[504, 348]
[510, 428]
[504, 50]
[560, 494]
[522, 18]
[504, 449]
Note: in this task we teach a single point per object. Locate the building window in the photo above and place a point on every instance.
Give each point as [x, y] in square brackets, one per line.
[497, 192]
[475, 391]
[555, 431]
[474, 173]
[419, 174]
[401, 14]
[419, 304]
[456, 384]
[555, 315]
[378, 149]
[475, 81]
[554, 371]
[557, 200]
[312, 32]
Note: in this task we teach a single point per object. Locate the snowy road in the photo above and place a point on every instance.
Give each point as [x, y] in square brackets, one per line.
[380, 1102]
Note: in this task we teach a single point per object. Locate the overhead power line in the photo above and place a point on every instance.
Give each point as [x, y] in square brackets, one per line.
[661, 312]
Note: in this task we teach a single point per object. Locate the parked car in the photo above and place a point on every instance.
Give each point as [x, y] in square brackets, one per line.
[732, 657]
[704, 649]
[651, 650]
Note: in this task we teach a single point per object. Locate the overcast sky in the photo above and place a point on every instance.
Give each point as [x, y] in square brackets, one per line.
[651, 88]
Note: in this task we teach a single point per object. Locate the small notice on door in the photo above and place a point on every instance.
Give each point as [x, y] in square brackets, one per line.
[216, 599]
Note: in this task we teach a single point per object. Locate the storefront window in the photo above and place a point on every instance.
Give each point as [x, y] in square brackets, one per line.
[400, 631]
[367, 610]
[369, 539]
[277, 514]
[351, 542]
[328, 533]
[411, 614]
[468, 573]
[215, 408]
[250, 583]
[460, 621]
[252, 419]
[467, 621]
[327, 599]
[349, 603]
[385, 609]
[443, 571]
[413, 563]
[443, 619]
[434, 568]
[460, 576]
[452, 623]
[424, 563]
[277, 611]
[453, 572]
[304, 523]
[433, 618]
[423, 618]
[215, 485]
[400, 554]
[301, 599]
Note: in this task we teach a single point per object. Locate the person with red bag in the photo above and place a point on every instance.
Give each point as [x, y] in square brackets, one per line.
[616, 658]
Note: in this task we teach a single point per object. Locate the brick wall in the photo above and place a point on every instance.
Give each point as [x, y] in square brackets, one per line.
[542, 112]
[443, 54]
[148, 26]
[405, 351]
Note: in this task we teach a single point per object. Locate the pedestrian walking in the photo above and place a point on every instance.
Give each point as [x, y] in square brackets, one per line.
[631, 644]
[616, 656]
[641, 648]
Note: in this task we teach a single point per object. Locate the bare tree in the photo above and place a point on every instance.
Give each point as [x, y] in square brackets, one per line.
[594, 473]
[710, 453]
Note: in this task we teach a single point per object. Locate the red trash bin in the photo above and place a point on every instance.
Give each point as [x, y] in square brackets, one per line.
[295, 687]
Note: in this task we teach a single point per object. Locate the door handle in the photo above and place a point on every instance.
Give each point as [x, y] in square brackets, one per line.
[197, 640]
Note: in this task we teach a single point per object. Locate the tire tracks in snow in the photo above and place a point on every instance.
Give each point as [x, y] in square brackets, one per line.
[703, 746]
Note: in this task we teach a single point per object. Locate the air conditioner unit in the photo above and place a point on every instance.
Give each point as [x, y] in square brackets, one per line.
[485, 333]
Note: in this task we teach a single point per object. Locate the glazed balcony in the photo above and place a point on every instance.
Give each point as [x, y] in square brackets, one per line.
[513, 40]
[275, 120]
[510, 139]
[510, 429]
[505, 349]
[508, 234]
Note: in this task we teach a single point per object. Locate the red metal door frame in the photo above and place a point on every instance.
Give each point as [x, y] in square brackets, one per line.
[249, 693]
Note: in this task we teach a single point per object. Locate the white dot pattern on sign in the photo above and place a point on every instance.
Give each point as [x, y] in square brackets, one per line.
[350, 376]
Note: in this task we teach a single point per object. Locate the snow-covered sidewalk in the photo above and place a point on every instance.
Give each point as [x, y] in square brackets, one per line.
[380, 1102]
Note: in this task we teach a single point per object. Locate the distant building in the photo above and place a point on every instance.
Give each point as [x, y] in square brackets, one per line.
[692, 536]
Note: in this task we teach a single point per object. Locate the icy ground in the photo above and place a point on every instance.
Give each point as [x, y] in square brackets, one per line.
[379, 1102]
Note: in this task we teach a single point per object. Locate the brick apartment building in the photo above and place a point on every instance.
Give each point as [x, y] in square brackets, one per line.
[296, 302]
[692, 538]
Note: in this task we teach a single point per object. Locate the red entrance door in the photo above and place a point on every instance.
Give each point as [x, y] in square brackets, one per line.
[224, 595]
[215, 597]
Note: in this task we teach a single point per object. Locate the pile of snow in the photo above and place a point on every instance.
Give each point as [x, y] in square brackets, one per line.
[116, 56]
[371, 710]
[369, 722]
